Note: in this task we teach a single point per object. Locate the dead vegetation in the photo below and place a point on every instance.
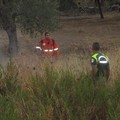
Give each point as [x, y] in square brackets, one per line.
[74, 36]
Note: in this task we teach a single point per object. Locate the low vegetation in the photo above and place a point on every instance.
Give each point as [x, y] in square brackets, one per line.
[58, 91]
[31, 88]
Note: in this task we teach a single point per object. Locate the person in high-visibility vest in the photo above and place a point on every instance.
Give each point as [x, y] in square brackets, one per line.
[48, 46]
[100, 63]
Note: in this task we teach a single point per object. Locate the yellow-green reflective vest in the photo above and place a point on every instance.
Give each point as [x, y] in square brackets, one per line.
[100, 58]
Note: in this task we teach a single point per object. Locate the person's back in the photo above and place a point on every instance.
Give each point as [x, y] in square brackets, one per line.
[99, 63]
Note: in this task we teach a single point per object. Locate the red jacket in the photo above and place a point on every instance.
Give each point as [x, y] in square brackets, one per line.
[49, 47]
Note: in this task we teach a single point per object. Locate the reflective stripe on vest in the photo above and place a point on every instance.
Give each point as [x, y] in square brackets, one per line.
[55, 49]
[99, 57]
[37, 47]
[48, 50]
[104, 61]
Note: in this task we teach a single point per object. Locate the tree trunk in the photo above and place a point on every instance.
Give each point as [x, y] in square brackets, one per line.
[8, 24]
[13, 43]
[100, 9]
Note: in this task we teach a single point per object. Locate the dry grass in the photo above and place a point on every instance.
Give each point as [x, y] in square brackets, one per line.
[74, 37]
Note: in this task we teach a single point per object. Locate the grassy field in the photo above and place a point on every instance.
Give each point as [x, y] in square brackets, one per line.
[31, 88]
[75, 37]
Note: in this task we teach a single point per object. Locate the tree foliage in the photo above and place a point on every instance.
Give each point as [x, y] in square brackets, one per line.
[38, 15]
[30, 15]
[67, 4]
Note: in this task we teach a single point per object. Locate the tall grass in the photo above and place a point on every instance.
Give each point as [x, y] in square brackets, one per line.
[56, 94]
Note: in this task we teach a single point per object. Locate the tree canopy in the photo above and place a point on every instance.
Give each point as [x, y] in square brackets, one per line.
[29, 15]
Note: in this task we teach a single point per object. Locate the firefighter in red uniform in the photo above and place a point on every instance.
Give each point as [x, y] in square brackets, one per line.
[48, 46]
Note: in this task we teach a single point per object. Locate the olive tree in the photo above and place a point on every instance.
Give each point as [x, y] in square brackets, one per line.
[28, 15]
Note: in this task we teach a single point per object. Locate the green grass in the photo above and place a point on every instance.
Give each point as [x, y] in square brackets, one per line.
[56, 95]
